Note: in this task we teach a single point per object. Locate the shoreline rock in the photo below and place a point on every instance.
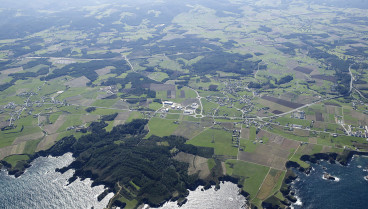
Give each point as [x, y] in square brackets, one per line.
[75, 165]
[332, 158]
[327, 176]
[343, 159]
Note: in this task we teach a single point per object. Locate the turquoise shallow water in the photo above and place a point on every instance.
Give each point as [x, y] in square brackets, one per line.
[351, 191]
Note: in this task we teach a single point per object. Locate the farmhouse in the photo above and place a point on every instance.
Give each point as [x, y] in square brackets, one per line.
[298, 114]
[194, 105]
[188, 112]
[168, 103]
[297, 126]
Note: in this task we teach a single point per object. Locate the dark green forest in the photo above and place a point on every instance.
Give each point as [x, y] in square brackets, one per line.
[123, 156]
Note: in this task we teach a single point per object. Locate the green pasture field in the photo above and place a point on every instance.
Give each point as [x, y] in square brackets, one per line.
[110, 125]
[158, 76]
[130, 204]
[207, 34]
[71, 120]
[134, 115]
[218, 139]
[105, 102]
[251, 174]
[288, 135]
[14, 159]
[104, 111]
[155, 105]
[172, 116]
[228, 112]
[248, 144]
[161, 127]
[31, 146]
[74, 91]
[252, 133]
[287, 120]
[208, 107]
[211, 163]
[24, 126]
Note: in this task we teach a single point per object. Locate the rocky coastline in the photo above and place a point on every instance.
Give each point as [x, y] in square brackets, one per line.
[332, 158]
[327, 176]
[109, 187]
[64, 146]
[83, 151]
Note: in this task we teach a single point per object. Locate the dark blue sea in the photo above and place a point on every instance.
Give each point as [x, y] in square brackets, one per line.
[349, 191]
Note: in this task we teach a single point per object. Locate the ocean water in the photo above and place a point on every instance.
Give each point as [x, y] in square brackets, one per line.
[227, 197]
[41, 187]
[349, 191]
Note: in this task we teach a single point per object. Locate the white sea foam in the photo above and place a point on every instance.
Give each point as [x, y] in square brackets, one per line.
[298, 201]
[226, 197]
[337, 179]
[41, 186]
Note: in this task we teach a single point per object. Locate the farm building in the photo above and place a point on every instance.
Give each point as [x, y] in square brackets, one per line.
[188, 112]
[168, 103]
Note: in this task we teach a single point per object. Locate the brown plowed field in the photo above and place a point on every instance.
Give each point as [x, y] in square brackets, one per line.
[319, 116]
[277, 112]
[162, 87]
[324, 77]
[47, 142]
[282, 102]
[52, 128]
[196, 163]
[303, 70]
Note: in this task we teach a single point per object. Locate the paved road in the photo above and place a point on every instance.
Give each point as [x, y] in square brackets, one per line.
[352, 82]
[351, 79]
[130, 64]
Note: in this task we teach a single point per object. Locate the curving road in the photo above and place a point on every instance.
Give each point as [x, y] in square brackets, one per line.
[200, 101]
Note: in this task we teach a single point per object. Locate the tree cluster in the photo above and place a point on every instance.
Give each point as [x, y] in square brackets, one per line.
[285, 79]
[123, 156]
[226, 62]
[87, 69]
